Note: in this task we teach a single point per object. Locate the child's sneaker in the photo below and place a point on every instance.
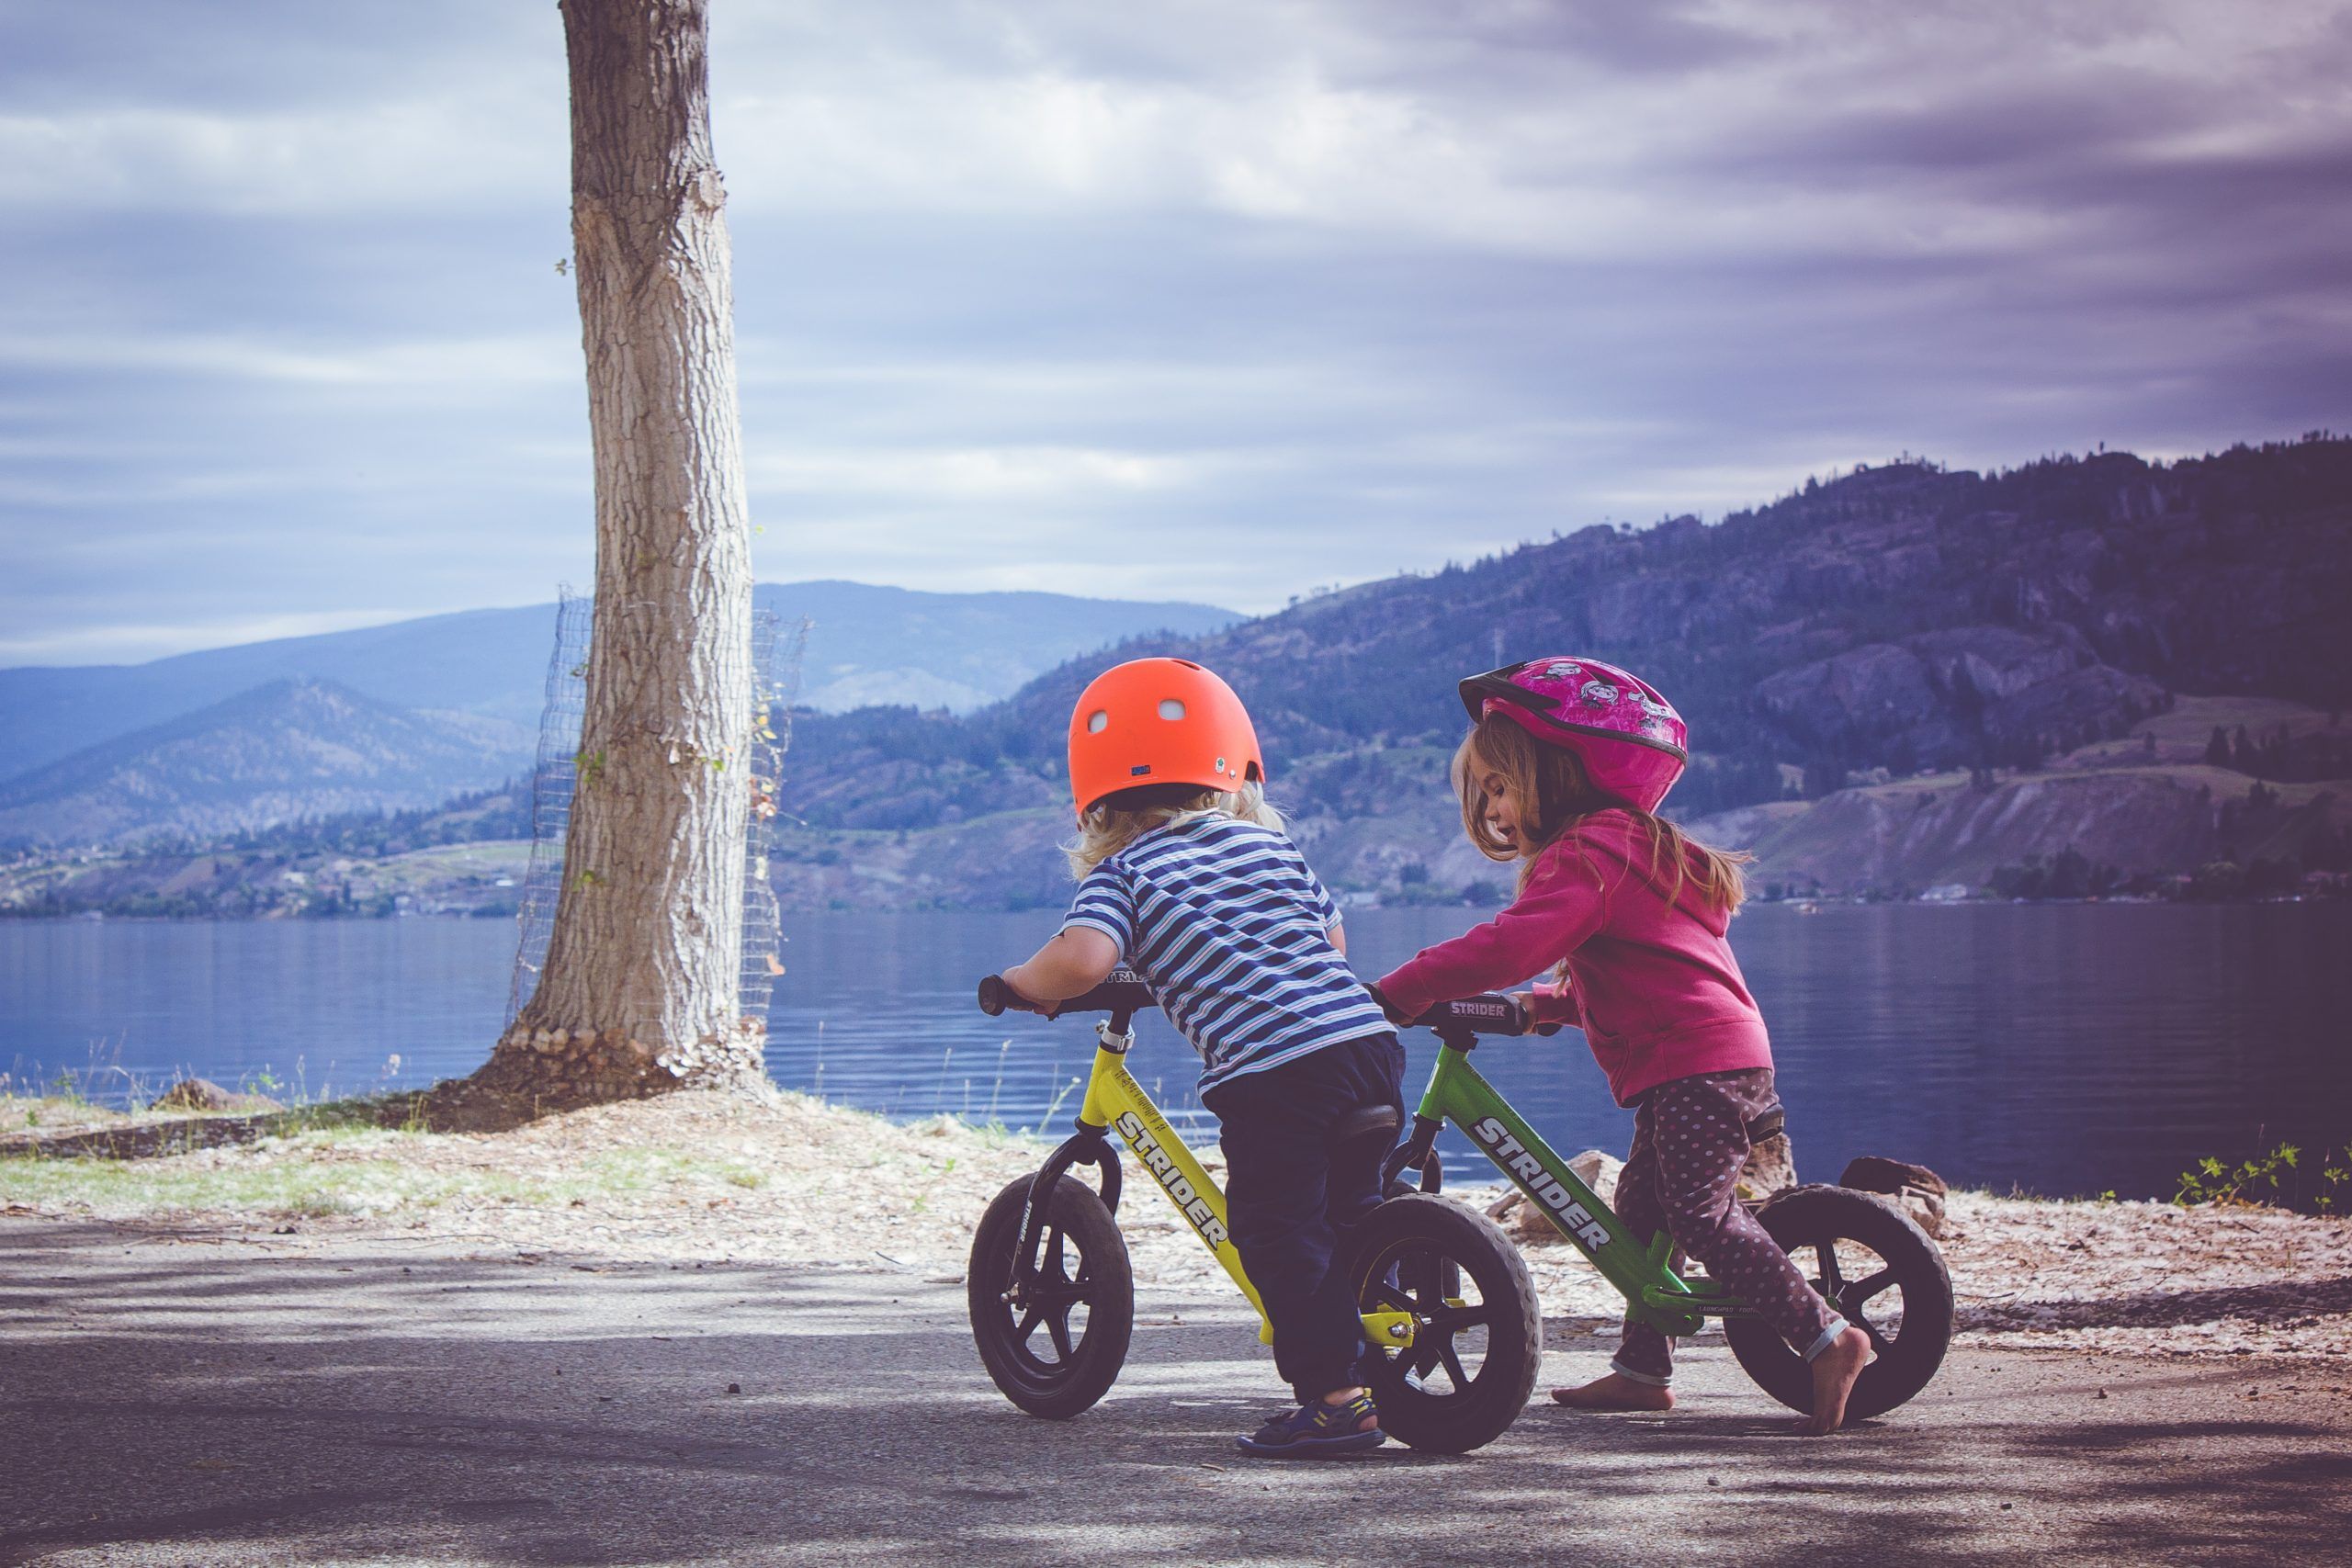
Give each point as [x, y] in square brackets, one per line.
[1317, 1430]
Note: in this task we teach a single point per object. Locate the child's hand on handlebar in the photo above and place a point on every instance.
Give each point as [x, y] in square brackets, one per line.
[1019, 1001]
[1078, 959]
[1390, 1011]
[1525, 1002]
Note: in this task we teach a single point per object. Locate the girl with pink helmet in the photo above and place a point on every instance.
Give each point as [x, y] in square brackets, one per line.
[1564, 767]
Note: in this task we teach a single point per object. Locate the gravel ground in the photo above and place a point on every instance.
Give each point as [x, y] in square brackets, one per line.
[791, 1180]
[182, 1398]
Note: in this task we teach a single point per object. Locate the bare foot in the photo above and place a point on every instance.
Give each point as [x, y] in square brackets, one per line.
[1834, 1372]
[1615, 1392]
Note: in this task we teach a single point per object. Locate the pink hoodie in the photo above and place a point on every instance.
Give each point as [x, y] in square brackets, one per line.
[1653, 984]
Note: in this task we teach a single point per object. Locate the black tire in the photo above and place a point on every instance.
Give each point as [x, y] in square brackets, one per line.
[1474, 1361]
[1081, 1360]
[1904, 1303]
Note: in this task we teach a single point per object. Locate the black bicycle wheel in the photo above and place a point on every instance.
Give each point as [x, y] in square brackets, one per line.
[1478, 1338]
[1057, 1349]
[1881, 1271]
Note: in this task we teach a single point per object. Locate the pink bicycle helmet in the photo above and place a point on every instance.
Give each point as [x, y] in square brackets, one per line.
[1629, 738]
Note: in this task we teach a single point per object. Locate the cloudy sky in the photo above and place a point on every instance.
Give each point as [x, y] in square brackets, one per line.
[1217, 300]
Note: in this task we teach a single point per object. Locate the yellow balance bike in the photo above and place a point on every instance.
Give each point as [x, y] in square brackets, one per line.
[1449, 1312]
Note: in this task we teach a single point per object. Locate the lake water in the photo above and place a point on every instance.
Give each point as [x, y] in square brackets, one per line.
[2063, 1049]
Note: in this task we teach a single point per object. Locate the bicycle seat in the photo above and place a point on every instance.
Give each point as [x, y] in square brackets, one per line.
[1364, 1123]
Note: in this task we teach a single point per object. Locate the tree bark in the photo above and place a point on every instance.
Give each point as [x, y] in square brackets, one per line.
[640, 989]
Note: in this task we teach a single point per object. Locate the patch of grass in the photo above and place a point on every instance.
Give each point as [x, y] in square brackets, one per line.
[365, 1114]
[993, 1135]
[622, 1172]
[2277, 1178]
[50, 1112]
[36, 1123]
[247, 1183]
[344, 1159]
[990, 1134]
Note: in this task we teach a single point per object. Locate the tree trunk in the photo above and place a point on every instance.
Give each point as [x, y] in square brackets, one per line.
[640, 989]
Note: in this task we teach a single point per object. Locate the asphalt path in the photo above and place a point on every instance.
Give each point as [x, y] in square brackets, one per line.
[178, 1397]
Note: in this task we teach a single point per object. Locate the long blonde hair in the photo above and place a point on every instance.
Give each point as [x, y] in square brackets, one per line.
[1117, 820]
[1553, 792]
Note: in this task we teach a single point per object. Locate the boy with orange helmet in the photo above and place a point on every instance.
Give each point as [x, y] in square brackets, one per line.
[1186, 875]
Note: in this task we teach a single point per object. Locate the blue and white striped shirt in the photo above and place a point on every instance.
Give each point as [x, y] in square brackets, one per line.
[1225, 922]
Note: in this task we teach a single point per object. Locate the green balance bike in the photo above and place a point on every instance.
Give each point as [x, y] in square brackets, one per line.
[1447, 1306]
[1868, 1259]
[1448, 1311]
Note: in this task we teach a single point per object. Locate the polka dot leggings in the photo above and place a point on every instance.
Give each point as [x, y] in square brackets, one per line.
[1690, 1145]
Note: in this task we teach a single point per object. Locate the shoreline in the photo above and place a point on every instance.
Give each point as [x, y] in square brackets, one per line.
[784, 1179]
[1874, 899]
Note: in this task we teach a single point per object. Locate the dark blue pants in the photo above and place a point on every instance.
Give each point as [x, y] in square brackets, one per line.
[1286, 1198]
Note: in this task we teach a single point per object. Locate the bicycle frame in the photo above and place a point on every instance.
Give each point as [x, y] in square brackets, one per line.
[1655, 1294]
[1117, 1103]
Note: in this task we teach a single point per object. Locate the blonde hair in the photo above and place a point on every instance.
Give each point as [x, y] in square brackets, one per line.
[1554, 792]
[1120, 819]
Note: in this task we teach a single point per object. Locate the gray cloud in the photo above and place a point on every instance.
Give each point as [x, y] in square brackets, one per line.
[1217, 301]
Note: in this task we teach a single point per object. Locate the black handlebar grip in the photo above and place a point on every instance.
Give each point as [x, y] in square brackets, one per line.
[995, 996]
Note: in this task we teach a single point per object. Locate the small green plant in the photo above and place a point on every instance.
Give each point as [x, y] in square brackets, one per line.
[1057, 1105]
[2277, 1179]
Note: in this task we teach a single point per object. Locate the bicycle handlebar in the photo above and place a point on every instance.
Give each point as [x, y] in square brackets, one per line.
[1491, 1014]
[1121, 993]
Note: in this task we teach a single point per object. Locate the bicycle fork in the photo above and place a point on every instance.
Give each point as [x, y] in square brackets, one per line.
[1115, 1101]
[1089, 1145]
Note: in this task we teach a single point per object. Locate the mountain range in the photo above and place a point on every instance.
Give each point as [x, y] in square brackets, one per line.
[1902, 617]
[1900, 678]
[403, 715]
[1903, 632]
[867, 644]
[279, 752]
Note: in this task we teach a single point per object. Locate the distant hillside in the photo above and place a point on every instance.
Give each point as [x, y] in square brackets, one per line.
[957, 651]
[868, 645]
[2149, 813]
[466, 856]
[2155, 803]
[2083, 674]
[1903, 617]
[282, 751]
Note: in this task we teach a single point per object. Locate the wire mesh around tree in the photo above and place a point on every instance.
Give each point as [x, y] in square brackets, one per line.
[776, 684]
[554, 774]
[776, 652]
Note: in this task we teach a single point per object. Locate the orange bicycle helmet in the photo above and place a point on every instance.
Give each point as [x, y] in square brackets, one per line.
[1159, 721]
